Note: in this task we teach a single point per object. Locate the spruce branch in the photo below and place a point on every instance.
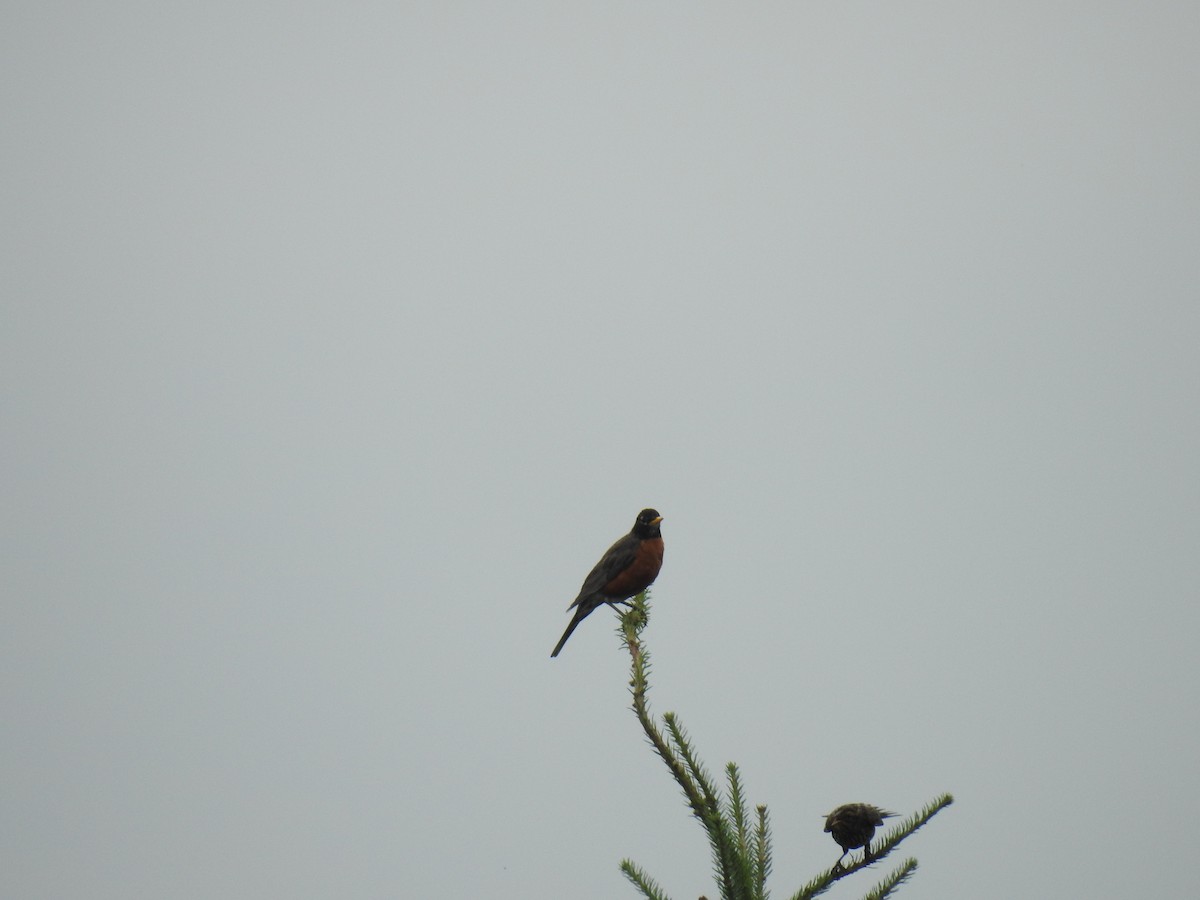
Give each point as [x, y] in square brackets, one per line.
[632, 622]
[893, 881]
[735, 808]
[736, 820]
[728, 857]
[700, 776]
[761, 847]
[917, 820]
[643, 882]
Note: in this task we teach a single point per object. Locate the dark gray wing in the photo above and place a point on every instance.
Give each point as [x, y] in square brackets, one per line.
[619, 557]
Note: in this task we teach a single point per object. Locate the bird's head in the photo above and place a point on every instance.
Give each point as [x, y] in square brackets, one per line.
[646, 524]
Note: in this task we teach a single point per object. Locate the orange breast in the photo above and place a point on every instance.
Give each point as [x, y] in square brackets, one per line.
[641, 574]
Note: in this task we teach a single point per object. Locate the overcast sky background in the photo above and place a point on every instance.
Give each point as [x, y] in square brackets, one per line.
[340, 340]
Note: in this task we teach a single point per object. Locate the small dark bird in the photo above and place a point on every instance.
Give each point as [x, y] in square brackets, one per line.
[853, 826]
[629, 567]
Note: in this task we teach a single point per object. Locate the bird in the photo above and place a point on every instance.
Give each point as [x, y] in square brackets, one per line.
[853, 826]
[627, 568]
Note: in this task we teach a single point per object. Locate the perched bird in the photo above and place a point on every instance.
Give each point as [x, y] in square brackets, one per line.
[853, 826]
[629, 567]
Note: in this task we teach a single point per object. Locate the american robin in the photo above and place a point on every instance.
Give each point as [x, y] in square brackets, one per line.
[853, 826]
[629, 567]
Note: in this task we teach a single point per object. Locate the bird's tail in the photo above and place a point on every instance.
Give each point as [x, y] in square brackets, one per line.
[580, 614]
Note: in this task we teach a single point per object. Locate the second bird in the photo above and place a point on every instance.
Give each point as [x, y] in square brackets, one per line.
[853, 825]
[628, 568]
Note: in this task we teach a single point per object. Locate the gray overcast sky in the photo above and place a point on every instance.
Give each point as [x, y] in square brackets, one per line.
[340, 340]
